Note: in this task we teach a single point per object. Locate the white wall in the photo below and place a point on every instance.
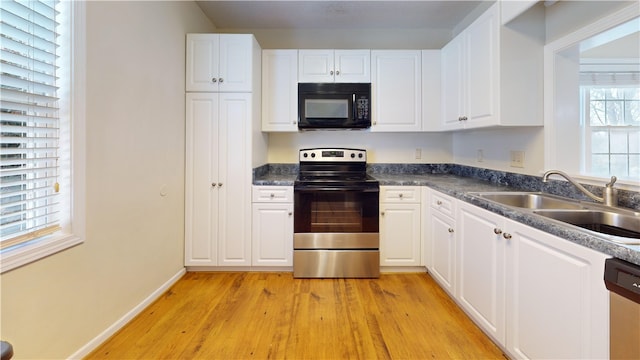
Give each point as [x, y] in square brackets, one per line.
[135, 147]
[496, 145]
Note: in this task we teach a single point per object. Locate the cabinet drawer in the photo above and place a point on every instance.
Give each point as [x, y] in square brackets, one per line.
[400, 194]
[272, 194]
[443, 203]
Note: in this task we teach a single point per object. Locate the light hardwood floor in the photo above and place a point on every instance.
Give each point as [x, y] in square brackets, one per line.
[254, 315]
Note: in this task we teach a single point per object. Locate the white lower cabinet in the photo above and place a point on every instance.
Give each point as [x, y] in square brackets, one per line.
[557, 303]
[400, 226]
[480, 259]
[441, 240]
[537, 295]
[272, 237]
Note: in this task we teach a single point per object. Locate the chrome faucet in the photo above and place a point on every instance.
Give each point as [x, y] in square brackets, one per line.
[609, 194]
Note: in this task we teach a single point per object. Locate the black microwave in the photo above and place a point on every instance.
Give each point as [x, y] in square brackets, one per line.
[334, 106]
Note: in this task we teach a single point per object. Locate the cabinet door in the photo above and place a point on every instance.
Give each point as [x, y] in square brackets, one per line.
[201, 189]
[453, 96]
[480, 259]
[557, 303]
[396, 90]
[442, 252]
[352, 66]
[202, 62]
[234, 187]
[400, 234]
[236, 57]
[482, 61]
[272, 228]
[315, 66]
[279, 90]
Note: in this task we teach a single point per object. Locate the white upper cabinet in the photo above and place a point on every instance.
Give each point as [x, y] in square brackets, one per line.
[221, 62]
[396, 90]
[280, 90]
[492, 74]
[345, 66]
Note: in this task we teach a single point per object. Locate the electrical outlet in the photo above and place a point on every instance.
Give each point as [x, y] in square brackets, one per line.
[517, 159]
[480, 155]
[418, 153]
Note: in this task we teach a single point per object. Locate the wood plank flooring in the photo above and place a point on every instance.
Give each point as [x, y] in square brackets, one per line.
[254, 315]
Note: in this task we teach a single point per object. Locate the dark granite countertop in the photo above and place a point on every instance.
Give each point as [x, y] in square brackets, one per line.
[459, 182]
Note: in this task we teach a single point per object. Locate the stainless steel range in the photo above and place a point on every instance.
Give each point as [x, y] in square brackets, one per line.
[336, 223]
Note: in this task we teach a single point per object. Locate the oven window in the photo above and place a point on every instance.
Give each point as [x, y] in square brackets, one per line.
[336, 212]
[326, 108]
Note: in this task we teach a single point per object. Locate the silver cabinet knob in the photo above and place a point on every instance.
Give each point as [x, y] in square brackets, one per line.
[507, 236]
[337, 72]
[221, 80]
[382, 213]
[439, 202]
[220, 184]
[213, 184]
[214, 80]
[290, 213]
[497, 231]
[331, 72]
[272, 196]
[451, 230]
[400, 195]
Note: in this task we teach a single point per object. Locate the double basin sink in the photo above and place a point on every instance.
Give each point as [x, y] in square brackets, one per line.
[620, 225]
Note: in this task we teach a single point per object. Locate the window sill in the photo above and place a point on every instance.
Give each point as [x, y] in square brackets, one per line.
[29, 252]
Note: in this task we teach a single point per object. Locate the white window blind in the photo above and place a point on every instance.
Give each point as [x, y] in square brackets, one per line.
[29, 121]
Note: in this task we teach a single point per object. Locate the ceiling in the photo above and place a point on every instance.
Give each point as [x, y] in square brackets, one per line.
[240, 14]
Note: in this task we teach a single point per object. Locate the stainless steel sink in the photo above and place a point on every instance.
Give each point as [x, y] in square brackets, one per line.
[620, 223]
[530, 200]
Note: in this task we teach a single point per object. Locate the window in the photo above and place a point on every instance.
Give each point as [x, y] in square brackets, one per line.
[37, 154]
[612, 131]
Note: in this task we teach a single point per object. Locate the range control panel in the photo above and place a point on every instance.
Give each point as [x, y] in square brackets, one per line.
[333, 155]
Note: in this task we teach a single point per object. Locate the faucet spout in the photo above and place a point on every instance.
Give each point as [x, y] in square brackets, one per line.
[609, 195]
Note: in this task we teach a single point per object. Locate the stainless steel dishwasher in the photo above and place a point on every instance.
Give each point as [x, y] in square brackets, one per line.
[623, 281]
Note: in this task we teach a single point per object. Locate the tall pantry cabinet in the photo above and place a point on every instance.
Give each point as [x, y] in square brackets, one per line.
[222, 111]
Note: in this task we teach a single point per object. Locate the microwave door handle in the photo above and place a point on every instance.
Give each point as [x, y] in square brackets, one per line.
[354, 109]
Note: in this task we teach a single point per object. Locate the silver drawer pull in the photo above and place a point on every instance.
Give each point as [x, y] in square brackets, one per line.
[451, 230]
[507, 236]
[497, 231]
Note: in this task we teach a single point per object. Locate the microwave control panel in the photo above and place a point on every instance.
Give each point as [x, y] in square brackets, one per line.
[362, 108]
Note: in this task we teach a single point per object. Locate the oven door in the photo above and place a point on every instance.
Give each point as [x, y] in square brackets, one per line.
[336, 217]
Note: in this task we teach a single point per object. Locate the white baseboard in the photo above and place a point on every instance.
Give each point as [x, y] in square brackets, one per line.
[108, 332]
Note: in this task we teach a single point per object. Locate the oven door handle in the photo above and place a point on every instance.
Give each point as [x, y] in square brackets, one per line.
[307, 188]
